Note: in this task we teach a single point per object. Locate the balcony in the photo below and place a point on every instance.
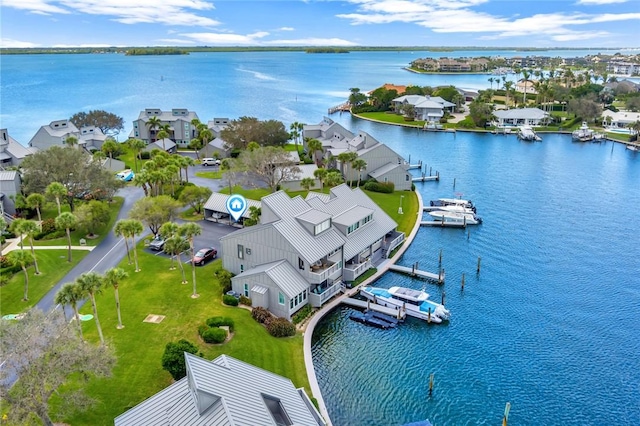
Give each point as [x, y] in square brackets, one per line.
[352, 271]
[396, 239]
[321, 293]
[323, 272]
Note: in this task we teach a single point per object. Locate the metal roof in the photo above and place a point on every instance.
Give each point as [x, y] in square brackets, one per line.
[310, 247]
[229, 391]
[218, 203]
[8, 174]
[383, 170]
[522, 113]
[314, 217]
[353, 215]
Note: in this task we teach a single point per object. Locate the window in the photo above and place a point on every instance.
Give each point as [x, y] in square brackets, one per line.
[304, 295]
[323, 226]
[406, 177]
[240, 251]
[367, 219]
[246, 290]
[277, 411]
[241, 268]
[281, 298]
[353, 227]
[291, 304]
[300, 264]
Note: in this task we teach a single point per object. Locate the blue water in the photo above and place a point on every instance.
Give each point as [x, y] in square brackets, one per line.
[551, 323]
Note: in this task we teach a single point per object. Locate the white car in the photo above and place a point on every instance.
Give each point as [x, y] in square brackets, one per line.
[126, 175]
[210, 162]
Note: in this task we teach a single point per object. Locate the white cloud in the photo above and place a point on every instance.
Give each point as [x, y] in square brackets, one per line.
[226, 39]
[311, 42]
[597, 2]
[40, 7]
[286, 29]
[9, 43]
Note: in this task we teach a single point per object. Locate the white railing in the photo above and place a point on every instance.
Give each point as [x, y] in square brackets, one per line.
[318, 299]
[394, 243]
[320, 276]
[351, 272]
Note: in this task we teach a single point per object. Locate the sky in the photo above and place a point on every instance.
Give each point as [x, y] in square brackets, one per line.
[344, 23]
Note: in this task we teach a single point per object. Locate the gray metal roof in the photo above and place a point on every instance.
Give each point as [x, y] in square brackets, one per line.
[284, 206]
[311, 248]
[314, 217]
[233, 390]
[8, 174]
[18, 150]
[168, 144]
[521, 113]
[217, 202]
[383, 170]
[351, 216]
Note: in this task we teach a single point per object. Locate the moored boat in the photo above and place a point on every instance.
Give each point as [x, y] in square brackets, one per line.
[415, 303]
[585, 134]
[526, 133]
[455, 217]
[452, 202]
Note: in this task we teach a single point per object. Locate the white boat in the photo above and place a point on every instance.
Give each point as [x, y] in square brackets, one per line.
[526, 133]
[585, 134]
[452, 202]
[455, 217]
[453, 208]
[415, 303]
[633, 148]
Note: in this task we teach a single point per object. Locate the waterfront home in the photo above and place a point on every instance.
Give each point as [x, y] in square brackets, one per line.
[218, 146]
[224, 391]
[294, 183]
[520, 117]
[54, 133]
[179, 121]
[217, 125]
[382, 163]
[12, 152]
[9, 187]
[619, 119]
[304, 250]
[427, 108]
[165, 144]
[527, 86]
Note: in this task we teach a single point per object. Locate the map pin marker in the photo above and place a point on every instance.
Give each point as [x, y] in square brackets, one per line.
[236, 206]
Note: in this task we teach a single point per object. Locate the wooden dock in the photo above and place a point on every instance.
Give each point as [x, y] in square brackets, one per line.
[415, 166]
[443, 224]
[425, 178]
[346, 107]
[415, 272]
[368, 305]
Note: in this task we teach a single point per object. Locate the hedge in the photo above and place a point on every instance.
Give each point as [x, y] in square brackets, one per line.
[281, 327]
[227, 299]
[384, 187]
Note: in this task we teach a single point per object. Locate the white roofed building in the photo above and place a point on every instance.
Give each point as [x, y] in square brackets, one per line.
[11, 151]
[520, 117]
[181, 131]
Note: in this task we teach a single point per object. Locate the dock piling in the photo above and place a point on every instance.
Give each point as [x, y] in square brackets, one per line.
[440, 258]
[431, 384]
[454, 183]
[478, 269]
[444, 295]
[462, 283]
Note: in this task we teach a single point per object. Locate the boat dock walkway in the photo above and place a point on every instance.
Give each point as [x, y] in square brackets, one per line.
[344, 107]
[368, 305]
[443, 224]
[425, 178]
[415, 272]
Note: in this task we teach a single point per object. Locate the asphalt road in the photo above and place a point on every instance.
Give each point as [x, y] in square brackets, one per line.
[112, 249]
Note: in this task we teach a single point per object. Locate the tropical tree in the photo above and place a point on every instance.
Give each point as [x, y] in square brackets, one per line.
[195, 196]
[359, 164]
[130, 228]
[189, 231]
[345, 159]
[44, 352]
[120, 230]
[90, 284]
[110, 147]
[153, 124]
[57, 191]
[71, 141]
[113, 277]
[307, 183]
[70, 294]
[508, 85]
[174, 246]
[154, 211]
[491, 80]
[136, 146]
[525, 77]
[22, 259]
[356, 98]
[16, 228]
[29, 228]
[333, 178]
[164, 133]
[36, 201]
[66, 221]
[92, 216]
[314, 146]
[321, 175]
[296, 132]
[231, 171]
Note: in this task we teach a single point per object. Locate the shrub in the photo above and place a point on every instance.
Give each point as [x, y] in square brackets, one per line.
[229, 300]
[202, 329]
[260, 314]
[214, 335]
[281, 327]
[302, 314]
[48, 226]
[145, 155]
[467, 123]
[173, 357]
[224, 277]
[218, 321]
[244, 300]
[4, 262]
[384, 187]
[55, 234]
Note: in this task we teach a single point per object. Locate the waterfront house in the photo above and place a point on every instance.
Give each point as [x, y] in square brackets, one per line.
[294, 183]
[520, 117]
[224, 391]
[165, 144]
[179, 121]
[9, 187]
[427, 108]
[383, 163]
[304, 250]
[619, 119]
[54, 133]
[527, 86]
[11, 151]
[217, 125]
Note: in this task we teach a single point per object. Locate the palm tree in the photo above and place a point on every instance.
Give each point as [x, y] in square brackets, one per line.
[175, 246]
[15, 227]
[525, 77]
[359, 164]
[120, 230]
[507, 88]
[153, 124]
[114, 277]
[57, 191]
[333, 179]
[136, 146]
[205, 136]
[132, 228]
[30, 228]
[164, 133]
[168, 230]
[110, 147]
[313, 146]
[22, 259]
[66, 221]
[90, 284]
[321, 175]
[69, 294]
[36, 201]
[491, 80]
[71, 141]
[189, 231]
[307, 183]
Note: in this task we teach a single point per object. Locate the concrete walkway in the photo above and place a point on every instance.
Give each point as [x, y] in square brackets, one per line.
[14, 244]
[317, 316]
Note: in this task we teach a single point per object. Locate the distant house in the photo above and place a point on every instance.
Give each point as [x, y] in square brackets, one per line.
[163, 145]
[217, 125]
[178, 119]
[304, 250]
[383, 164]
[225, 391]
[54, 133]
[427, 108]
[619, 119]
[9, 187]
[306, 171]
[218, 146]
[11, 151]
[91, 138]
[526, 85]
[521, 117]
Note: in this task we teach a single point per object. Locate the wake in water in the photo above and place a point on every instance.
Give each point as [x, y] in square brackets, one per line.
[257, 74]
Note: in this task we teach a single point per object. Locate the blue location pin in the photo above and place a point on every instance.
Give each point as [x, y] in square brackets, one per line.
[236, 206]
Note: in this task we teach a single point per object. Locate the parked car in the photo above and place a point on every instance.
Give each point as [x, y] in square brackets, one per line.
[210, 162]
[204, 254]
[157, 243]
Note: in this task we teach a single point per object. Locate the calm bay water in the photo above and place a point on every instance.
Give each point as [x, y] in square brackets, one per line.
[551, 323]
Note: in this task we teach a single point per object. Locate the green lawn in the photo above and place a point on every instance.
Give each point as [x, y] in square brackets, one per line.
[210, 175]
[251, 194]
[53, 266]
[139, 346]
[390, 118]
